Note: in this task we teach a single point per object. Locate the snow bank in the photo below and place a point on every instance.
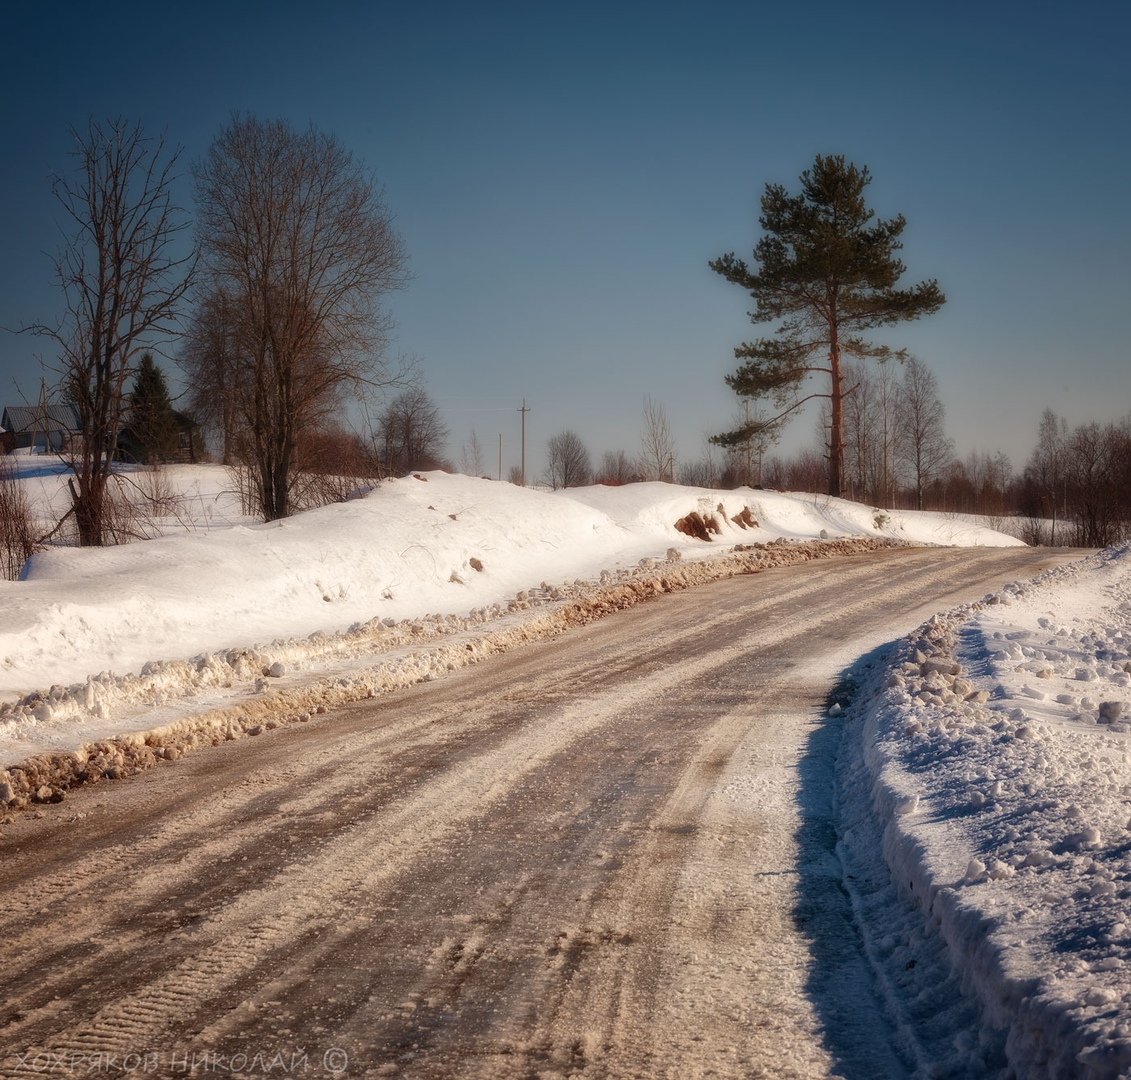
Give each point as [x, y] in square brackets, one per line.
[995, 746]
[97, 642]
[248, 691]
[439, 544]
[795, 515]
[405, 550]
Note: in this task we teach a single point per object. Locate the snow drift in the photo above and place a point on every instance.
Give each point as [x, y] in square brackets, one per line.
[995, 745]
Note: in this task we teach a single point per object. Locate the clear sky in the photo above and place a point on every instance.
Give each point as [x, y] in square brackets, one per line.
[561, 174]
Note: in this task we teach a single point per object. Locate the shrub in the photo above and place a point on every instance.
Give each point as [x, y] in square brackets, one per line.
[17, 529]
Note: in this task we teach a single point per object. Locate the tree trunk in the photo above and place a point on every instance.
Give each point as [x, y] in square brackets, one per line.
[836, 403]
[87, 501]
[918, 475]
[280, 505]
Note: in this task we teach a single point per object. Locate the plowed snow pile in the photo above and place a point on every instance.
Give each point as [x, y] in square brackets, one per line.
[996, 750]
[96, 642]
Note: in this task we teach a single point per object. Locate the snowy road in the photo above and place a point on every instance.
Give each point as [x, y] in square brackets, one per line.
[609, 854]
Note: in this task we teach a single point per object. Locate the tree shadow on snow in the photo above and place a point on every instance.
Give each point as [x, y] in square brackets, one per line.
[840, 982]
[40, 470]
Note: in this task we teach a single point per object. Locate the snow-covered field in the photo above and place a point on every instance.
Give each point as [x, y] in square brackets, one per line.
[992, 768]
[984, 789]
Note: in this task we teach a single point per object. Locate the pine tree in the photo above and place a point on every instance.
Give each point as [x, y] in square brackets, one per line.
[151, 412]
[826, 273]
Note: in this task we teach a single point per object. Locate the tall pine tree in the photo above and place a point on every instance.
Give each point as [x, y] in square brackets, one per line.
[152, 419]
[826, 273]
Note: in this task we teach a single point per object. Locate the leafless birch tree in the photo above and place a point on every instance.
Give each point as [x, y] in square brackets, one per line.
[921, 439]
[657, 448]
[471, 456]
[123, 277]
[1046, 474]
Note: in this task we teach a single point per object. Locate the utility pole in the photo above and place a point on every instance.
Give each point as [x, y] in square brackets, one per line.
[522, 468]
[500, 455]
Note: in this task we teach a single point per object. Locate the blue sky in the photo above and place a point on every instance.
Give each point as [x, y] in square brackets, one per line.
[561, 174]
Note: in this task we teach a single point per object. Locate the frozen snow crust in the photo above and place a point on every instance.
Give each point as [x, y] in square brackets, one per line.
[994, 746]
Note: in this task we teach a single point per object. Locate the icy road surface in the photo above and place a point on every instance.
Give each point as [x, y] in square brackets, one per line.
[606, 855]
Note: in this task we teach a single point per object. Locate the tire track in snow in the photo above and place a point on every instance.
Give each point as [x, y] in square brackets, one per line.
[652, 997]
[226, 821]
[380, 845]
[587, 939]
[219, 834]
[242, 937]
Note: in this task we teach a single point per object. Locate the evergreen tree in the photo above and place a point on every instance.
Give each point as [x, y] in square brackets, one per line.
[151, 412]
[826, 273]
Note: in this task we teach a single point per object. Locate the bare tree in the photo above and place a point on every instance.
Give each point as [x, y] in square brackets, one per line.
[567, 461]
[411, 434]
[1000, 481]
[980, 484]
[1046, 475]
[869, 432]
[921, 440]
[123, 278]
[615, 469]
[858, 430]
[471, 456]
[702, 473]
[882, 478]
[1098, 469]
[330, 465]
[1082, 478]
[657, 448]
[211, 357]
[18, 541]
[744, 458]
[774, 470]
[806, 472]
[295, 234]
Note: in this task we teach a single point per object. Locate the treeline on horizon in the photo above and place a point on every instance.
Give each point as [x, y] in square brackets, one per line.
[1074, 490]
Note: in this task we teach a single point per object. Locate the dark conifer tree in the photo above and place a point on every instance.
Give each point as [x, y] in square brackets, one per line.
[152, 418]
[826, 273]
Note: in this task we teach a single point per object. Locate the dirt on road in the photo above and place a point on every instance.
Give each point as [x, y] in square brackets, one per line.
[605, 855]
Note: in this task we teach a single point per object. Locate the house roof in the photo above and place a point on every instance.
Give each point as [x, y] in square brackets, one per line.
[25, 418]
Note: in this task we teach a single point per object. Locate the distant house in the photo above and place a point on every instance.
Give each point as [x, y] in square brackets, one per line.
[46, 429]
[130, 446]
